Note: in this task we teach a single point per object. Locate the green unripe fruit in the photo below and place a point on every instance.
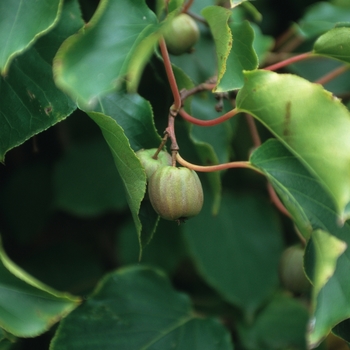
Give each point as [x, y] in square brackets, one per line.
[175, 192]
[292, 273]
[181, 35]
[150, 164]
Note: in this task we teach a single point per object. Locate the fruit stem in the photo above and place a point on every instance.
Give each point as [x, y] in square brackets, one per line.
[162, 144]
[170, 75]
[212, 122]
[289, 61]
[218, 167]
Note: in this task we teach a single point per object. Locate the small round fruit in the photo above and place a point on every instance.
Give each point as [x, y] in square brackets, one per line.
[150, 164]
[292, 273]
[181, 35]
[175, 192]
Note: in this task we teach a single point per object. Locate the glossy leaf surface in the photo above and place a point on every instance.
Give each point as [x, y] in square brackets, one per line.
[96, 60]
[218, 245]
[136, 308]
[321, 17]
[242, 57]
[279, 325]
[309, 121]
[28, 307]
[335, 44]
[126, 121]
[216, 16]
[30, 101]
[304, 196]
[21, 23]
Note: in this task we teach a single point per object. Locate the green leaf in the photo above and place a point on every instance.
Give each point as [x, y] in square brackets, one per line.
[321, 17]
[164, 251]
[242, 57]
[329, 265]
[279, 325]
[30, 101]
[212, 143]
[22, 23]
[134, 118]
[299, 188]
[342, 330]
[97, 59]
[335, 44]
[86, 181]
[7, 340]
[134, 114]
[127, 163]
[262, 44]
[238, 250]
[309, 121]
[327, 251]
[217, 18]
[137, 308]
[284, 172]
[28, 307]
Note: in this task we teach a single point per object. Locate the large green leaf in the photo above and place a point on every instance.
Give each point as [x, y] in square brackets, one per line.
[312, 123]
[132, 116]
[335, 43]
[299, 189]
[21, 23]
[97, 59]
[277, 163]
[30, 102]
[217, 18]
[237, 251]
[128, 165]
[28, 307]
[165, 251]
[137, 308]
[321, 17]
[279, 325]
[242, 57]
[327, 249]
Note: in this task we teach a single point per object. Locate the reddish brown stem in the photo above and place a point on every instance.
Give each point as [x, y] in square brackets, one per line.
[170, 130]
[201, 87]
[253, 130]
[170, 74]
[187, 6]
[331, 75]
[212, 122]
[289, 61]
[276, 201]
[162, 144]
[284, 37]
[212, 168]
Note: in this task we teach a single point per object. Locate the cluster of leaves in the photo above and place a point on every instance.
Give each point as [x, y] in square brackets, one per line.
[109, 71]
